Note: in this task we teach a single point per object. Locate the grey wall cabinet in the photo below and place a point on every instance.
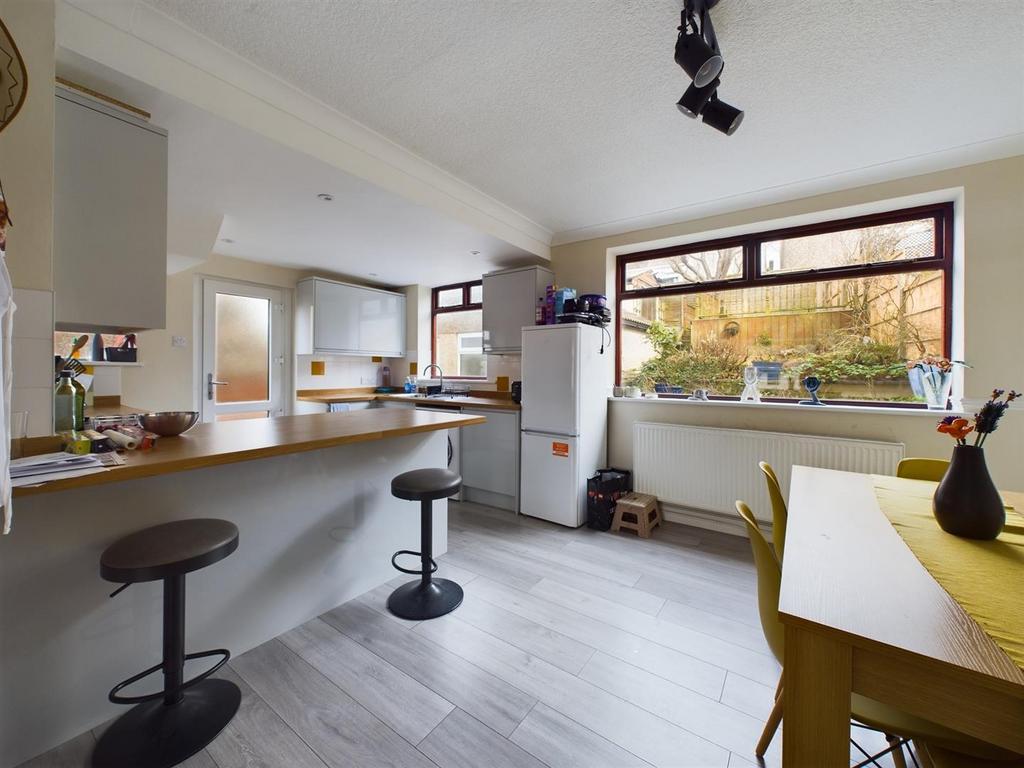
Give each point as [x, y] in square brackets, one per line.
[333, 318]
[510, 302]
[110, 218]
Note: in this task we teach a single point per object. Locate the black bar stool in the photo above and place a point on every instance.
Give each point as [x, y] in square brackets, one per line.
[167, 727]
[427, 598]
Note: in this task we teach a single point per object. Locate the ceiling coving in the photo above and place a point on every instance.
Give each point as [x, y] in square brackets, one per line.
[697, 52]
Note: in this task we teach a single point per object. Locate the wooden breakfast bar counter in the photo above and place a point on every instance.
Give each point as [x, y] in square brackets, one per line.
[311, 498]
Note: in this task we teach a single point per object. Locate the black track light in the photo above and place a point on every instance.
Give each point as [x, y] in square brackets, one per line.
[695, 98]
[721, 116]
[698, 53]
[697, 58]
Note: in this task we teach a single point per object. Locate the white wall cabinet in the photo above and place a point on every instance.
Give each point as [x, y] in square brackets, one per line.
[333, 318]
[109, 218]
[490, 459]
[510, 302]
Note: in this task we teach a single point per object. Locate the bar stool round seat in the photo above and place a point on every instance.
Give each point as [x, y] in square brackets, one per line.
[167, 727]
[169, 549]
[426, 598]
[425, 484]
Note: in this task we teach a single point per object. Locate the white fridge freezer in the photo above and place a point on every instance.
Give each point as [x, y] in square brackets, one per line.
[565, 374]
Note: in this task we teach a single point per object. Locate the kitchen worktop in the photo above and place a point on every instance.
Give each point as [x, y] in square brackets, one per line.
[473, 401]
[228, 442]
[112, 410]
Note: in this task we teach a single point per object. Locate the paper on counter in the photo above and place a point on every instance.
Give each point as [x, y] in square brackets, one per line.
[33, 480]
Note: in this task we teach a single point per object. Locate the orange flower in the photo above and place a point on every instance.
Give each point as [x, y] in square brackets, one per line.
[957, 428]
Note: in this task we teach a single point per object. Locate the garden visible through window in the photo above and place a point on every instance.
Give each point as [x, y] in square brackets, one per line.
[853, 302]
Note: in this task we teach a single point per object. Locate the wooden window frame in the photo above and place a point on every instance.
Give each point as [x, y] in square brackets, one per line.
[465, 306]
[751, 277]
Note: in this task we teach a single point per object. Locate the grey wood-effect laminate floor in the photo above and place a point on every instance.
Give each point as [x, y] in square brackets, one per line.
[572, 649]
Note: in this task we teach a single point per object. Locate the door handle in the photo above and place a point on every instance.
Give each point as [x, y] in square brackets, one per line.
[211, 383]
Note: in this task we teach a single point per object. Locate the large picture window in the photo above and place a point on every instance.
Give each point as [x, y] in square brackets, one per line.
[458, 330]
[849, 301]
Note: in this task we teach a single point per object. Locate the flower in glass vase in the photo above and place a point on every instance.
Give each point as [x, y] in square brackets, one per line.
[931, 378]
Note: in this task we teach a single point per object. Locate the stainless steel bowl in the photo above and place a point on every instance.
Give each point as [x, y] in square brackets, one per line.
[169, 423]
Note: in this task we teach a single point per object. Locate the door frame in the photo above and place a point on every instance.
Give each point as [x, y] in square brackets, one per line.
[198, 324]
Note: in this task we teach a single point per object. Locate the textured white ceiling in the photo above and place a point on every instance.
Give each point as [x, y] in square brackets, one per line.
[565, 110]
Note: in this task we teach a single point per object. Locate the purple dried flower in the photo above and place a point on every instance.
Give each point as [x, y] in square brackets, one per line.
[949, 420]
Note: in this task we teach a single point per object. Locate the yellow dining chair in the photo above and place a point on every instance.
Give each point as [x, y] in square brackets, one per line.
[895, 724]
[922, 469]
[780, 513]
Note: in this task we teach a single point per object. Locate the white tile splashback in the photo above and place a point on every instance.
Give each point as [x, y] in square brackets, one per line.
[34, 317]
[32, 356]
[340, 372]
[33, 362]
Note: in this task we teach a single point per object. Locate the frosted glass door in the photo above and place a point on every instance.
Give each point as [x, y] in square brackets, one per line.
[242, 351]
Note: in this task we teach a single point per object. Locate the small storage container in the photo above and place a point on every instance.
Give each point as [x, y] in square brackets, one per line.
[603, 490]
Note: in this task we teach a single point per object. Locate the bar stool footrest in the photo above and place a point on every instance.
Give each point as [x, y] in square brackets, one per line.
[116, 698]
[411, 571]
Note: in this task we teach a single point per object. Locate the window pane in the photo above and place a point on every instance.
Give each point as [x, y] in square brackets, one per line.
[452, 297]
[851, 247]
[855, 334]
[63, 341]
[686, 269]
[242, 351]
[476, 294]
[458, 344]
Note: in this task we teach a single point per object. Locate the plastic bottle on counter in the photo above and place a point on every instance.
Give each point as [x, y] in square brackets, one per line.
[64, 404]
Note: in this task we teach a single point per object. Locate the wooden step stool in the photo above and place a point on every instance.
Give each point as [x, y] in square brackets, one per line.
[638, 512]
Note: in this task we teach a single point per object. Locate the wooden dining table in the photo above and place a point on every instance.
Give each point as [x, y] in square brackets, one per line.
[863, 615]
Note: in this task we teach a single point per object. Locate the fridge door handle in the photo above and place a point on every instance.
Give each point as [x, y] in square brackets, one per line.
[545, 434]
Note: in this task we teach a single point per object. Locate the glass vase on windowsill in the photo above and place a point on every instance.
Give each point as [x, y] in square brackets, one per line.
[931, 378]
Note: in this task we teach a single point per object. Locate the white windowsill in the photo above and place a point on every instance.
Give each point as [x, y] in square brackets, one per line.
[862, 409]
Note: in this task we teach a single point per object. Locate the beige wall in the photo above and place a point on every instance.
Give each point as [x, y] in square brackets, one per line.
[26, 167]
[165, 382]
[993, 269]
[26, 147]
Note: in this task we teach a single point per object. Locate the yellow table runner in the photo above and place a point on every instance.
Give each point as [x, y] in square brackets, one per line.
[985, 577]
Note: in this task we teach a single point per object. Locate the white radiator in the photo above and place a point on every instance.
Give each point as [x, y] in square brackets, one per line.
[704, 470]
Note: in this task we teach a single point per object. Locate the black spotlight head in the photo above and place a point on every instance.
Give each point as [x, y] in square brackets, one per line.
[697, 59]
[695, 98]
[721, 116]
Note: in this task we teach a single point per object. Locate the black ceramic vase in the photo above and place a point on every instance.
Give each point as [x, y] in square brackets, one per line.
[966, 502]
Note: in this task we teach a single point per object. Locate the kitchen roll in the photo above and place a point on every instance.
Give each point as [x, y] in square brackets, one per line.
[121, 439]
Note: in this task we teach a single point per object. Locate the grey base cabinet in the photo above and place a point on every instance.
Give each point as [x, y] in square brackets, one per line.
[489, 460]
